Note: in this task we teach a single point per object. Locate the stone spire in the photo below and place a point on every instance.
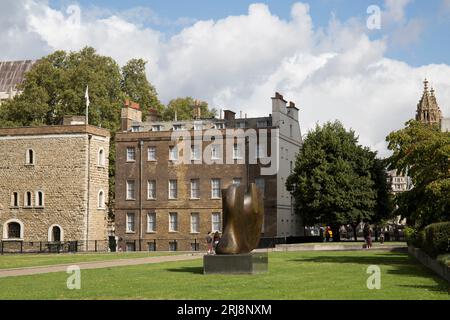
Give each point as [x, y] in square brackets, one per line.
[428, 110]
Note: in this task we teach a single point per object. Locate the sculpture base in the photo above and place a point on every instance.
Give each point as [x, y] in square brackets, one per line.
[249, 263]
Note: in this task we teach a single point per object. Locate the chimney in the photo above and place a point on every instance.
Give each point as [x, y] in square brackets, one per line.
[153, 115]
[240, 114]
[229, 115]
[197, 110]
[130, 113]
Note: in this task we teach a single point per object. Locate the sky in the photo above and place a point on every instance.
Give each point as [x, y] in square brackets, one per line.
[360, 61]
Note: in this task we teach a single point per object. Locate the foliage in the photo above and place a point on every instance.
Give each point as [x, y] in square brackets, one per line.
[437, 237]
[184, 109]
[135, 85]
[337, 181]
[422, 152]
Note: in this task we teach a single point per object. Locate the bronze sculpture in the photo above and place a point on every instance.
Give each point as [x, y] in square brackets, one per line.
[243, 212]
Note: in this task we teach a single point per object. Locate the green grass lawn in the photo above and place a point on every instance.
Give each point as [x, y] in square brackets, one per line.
[8, 261]
[293, 275]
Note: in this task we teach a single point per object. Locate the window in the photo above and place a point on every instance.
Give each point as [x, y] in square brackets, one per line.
[30, 157]
[130, 222]
[237, 181]
[259, 151]
[101, 157]
[195, 153]
[151, 153]
[130, 190]
[173, 222]
[151, 246]
[130, 246]
[195, 222]
[260, 183]
[237, 152]
[151, 222]
[151, 189]
[219, 125]
[290, 130]
[156, 127]
[172, 246]
[177, 127]
[215, 154]
[135, 128]
[15, 199]
[173, 153]
[28, 199]
[215, 188]
[195, 246]
[195, 189]
[14, 230]
[131, 154]
[261, 123]
[216, 223]
[241, 124]
[173, 189]
[56, 234]
[101, 199]
[39, 199]
[198, 125]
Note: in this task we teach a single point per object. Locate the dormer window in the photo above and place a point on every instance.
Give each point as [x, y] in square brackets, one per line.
[156, 127]
[198, 125]
[261, 123]
[177, 127]
[220, 125]
[135, 128]
[241, 124]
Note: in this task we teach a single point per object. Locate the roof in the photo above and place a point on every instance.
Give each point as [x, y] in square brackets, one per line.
[12, 73]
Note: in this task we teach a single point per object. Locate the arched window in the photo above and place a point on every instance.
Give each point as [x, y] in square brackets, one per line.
[55, 233]
[101, 199]
[13, 230]
[39, 199]
[28, 199]
[101, 157]
[30, 159]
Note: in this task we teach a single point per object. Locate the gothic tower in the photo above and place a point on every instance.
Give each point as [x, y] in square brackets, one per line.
[428, 110]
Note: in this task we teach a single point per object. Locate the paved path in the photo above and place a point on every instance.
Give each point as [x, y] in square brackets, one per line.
[96, 265]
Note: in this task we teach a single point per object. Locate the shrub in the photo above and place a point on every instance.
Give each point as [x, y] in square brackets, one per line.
[414, 237]
[437, 237]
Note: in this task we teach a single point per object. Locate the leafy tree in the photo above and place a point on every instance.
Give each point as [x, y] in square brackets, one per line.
[184, 109]
[422, 152]
[332, 180]
[135, 85]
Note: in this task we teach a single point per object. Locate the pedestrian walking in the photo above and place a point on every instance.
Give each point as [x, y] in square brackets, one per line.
[209, 242]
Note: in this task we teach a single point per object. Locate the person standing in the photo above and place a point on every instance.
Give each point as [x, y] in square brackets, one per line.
[216, 240]
[327, 234]
[369, 238]
[209, 242]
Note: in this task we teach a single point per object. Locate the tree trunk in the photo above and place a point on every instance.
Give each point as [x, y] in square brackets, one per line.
[355, 235]
[336, 234]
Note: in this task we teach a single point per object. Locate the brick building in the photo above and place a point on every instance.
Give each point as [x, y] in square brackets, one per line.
[162, 204]
[54, 182]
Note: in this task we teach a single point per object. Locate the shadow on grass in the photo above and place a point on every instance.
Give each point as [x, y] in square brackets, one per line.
[401, 264]
[195, 270]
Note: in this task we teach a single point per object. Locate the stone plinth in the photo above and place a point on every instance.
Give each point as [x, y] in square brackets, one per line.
[250, 263]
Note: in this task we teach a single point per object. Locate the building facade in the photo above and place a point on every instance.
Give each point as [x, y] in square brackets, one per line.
[54, 183]
[169, 199]
[12, 73]
[398, 183]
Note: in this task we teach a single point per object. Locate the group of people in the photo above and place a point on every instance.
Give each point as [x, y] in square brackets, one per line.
[327, 234]
[212, 239]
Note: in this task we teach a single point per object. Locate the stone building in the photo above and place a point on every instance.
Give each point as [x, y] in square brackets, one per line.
[54, 183]
[12, 73]
[166, 203]
[428, 110]
[398, 183]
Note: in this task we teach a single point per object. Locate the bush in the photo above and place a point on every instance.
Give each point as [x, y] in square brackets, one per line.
[414, 237]
[437, 237]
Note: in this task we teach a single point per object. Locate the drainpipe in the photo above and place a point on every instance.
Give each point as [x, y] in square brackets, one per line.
[140, 193]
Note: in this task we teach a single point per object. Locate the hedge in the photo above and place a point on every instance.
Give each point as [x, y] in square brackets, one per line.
[437, 238]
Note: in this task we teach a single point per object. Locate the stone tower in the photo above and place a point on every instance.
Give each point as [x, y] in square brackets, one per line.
[428, 110]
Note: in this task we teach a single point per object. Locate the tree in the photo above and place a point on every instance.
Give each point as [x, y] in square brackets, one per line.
[332, 180]
[135, 85]
[184, 109]
[422, 152]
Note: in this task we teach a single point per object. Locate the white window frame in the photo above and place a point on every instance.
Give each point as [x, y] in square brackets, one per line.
[130, 183]
[173, 221]
[36, 199]
[15, 199]
[129, 153]
[151, 222]
[128, 220]
[26, 203]
[151, 186]
[215, 154]
[101, 200]
[101, 157]
[237, 151]
[237, 181]
[28, 161]
[173, 153]
[195, 223]
[215, 188]
[197, 183]
[157, 127]
[150, 151]
[215, 223]
[171, 195]
[195, 153]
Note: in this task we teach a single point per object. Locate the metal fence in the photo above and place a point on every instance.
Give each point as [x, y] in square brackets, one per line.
[54, 246]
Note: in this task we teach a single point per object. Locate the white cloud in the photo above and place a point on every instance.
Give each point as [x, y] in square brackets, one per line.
[240, 61]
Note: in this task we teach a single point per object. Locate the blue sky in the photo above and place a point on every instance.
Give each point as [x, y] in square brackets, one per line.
[431, 47]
